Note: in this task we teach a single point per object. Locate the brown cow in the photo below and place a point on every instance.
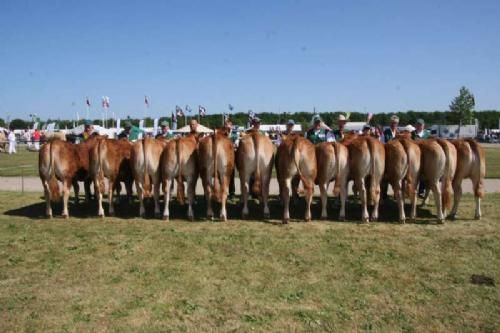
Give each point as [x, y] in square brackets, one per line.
[179, 161]
[216, 165]
[68, 163]
[332, 164]
[366, 158]
[254, 157]
[470, 164]
[438, 162]
[111, 159]
[145, 162]
[296, 158]
[402, 165]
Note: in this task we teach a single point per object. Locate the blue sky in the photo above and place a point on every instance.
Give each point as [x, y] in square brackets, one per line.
[378, 56]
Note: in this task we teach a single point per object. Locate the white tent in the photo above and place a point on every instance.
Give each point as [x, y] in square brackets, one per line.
[187, 129]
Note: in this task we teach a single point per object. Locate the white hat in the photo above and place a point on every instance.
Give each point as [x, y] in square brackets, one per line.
[394, 118]
[409, 128]
[342, 118]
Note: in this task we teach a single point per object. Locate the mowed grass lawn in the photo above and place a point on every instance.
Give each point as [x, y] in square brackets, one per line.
[146, 275]
[11, 165]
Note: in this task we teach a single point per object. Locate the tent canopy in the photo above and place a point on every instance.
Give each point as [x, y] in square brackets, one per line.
[187, 129]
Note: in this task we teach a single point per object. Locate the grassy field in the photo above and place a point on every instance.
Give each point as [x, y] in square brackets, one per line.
[10, 165]
[133, 275]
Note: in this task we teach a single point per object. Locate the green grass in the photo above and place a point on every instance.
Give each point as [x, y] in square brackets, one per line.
[10, 164]
[134, 275]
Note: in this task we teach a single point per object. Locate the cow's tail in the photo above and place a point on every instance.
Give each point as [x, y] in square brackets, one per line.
[479, 155]
[373, 155]
[296, 159]
[447, 189]
[180, 184]
[336, 188]
[55, 195]
[410, 183]
[257, 184]
[147, 181]
[216, 181]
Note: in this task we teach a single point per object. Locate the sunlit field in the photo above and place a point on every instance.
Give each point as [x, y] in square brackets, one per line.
[146, 275]
[11, 165]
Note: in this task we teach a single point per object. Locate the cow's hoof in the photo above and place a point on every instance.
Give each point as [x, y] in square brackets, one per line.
[244, 216]
[285, 221]
[223, 218]
[374, 219]
[210, 217]
[477, 217]
[267, 216]
[101, 216]
[324, 218]
[365, 220]
[49, 216]
[65, 216]
[440, 221]
[307, 220]
[402, 221]
[110, 214]
[158, 215]
[191, 218]
[342, 218]
[165, 217]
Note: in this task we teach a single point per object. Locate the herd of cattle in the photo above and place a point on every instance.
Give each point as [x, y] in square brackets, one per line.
[154, 163]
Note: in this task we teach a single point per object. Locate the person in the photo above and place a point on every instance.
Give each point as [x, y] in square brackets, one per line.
[36, 139]
[27, 138]
[392, 131]
[125, 134]
[317, 134]
[420, 131]
[289, 127]
[12, 141]
[164, 131]
[366, 131]
[88, 128]
[193, 126]
[339, 132]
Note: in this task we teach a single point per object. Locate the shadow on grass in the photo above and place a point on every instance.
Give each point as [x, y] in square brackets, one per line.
[388, 210]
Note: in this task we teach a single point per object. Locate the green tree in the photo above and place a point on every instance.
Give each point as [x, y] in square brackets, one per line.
[18, 124]
[462, 107]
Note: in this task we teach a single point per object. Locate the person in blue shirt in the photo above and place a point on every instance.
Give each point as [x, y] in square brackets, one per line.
[317, 134]
[391, 132]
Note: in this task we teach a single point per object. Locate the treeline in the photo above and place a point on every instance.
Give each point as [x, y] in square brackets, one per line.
[486, 118]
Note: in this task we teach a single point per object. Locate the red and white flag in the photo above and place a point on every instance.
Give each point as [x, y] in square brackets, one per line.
[105, 102]
[370, 116]
[146, 101]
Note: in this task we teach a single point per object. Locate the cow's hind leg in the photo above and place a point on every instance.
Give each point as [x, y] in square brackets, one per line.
[457, 195]
[66, 190]
[140, 196]
[98, 193]
[265, 195]
[323, 195]
[191, 183]
[244, 181]
[111, 184]
[224, 194]
[399, 196]
[360, 186]
[285, 187]
[76, 189]
[48, 207]
[208, 197]
[156, 193]
[308, 195]
[166, 192]
[436, 191]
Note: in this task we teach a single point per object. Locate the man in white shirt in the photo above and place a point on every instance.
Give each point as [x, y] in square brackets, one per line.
[12, 141]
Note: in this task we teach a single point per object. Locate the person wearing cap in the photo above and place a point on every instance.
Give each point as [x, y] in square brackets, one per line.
[289, 127]
[88, 128]
[339, 132]
[391, 132]
[420, 131]
[366, 131]
[193, 126]
[316, 134]
[164, 131]
[125, 134]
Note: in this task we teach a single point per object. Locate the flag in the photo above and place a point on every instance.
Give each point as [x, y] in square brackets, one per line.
[87, 101]
[105, 102]
[251, 115]
[188, 109]
[146, 101]
[348, 115]
[225, 116]
[202, 111]
[174, 121]
[178, 111]
[370, 116]
[231, 108]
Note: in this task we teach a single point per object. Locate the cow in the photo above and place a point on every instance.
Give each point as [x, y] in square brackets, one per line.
[402, 166]
[366, 158]
[65, 162]
[216, 165]
[111, 159]
[179, 161]
[3, 140]
[470, 164]
[145, 163]
[438, 163]
[296, 159]
[254, 158]
[332, 164]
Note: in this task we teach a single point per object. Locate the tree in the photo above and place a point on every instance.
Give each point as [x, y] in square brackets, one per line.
[18, 124]
[462, 107]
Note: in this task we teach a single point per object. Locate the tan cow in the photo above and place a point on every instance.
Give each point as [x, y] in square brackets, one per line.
[3, 141]
[216, 164]
[366, 158]
[67, 163]
[438, 163]
[402, 166]
[332, 164]
[254, 157]
[470, 164]
[111, 159]
[145, 162]
[296, 158]
[179, 161]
